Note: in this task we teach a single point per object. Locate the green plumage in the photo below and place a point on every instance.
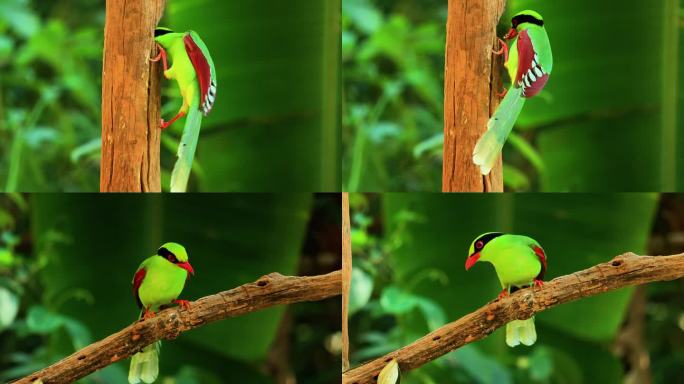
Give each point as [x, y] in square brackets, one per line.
[184, 72]
[499, 126]
[517, 265]
[161, 283]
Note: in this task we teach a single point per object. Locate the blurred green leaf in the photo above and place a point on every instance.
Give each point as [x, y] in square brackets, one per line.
[40, 320]
[360, 291]
[9, 307]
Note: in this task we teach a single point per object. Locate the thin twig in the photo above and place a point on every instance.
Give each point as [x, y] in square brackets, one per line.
[270, 290]
[624, 270]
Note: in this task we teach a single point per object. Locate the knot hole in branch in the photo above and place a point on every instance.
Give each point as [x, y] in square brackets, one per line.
[262, 283]
[616, 263]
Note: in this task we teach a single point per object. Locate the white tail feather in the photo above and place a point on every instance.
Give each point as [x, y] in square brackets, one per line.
[521, 331]
[145, 365]
[499, 127]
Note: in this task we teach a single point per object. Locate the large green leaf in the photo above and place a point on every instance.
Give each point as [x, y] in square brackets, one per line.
[231, 240]
[275, 123]
[577, 231]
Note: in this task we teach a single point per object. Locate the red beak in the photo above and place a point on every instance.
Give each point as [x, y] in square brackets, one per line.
[511, 34]
[472, 259]
[187, 267]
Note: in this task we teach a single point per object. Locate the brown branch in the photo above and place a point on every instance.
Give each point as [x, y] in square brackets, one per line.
[470, 86]
[623, 271]
[346, 278]
[270, 290]
[130, 98]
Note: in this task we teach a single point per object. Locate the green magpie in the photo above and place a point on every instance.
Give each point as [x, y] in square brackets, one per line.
[529, 65]
[519, 261]
[157, 284]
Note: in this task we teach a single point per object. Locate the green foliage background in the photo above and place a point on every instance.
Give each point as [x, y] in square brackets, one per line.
[608, 120]
[66, 264]
[409, 278]
[275, 125]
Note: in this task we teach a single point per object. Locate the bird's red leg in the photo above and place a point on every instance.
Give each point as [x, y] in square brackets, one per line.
[538, 283]
[183, 303]
[148, 314]
[162, 55]
[165, 124]
[503, 49]
[503, 294]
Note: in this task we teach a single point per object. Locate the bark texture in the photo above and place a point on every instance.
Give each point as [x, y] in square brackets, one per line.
[623, 271]
[270, 290]
[470, 87]
[130, 98]
[346, 278]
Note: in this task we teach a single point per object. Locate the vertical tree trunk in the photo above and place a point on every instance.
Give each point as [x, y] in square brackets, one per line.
[346, 278]
[471, 82]
[130, 98]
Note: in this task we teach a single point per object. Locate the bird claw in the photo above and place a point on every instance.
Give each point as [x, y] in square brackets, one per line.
[503, 50]
[164, 124]
[502, 93]
[148, 314]
[503, 294]
[183, 303]
[538, 283]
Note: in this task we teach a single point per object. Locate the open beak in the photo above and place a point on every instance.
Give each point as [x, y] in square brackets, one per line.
[472, 259]
[187, 267]
[511, 34]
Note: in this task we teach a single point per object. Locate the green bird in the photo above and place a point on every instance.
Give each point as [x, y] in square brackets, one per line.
[519, 261]
[529, 65]
[157, 283]
[193, 69]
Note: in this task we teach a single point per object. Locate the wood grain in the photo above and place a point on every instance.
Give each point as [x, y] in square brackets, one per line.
[469, 93]
[624, 270]
[130, 98]
[270, 290]
[346, 278]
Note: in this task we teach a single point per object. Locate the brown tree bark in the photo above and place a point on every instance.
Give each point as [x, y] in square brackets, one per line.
[272, 289]
[623, 271]
[130, 98]
[471, 83]
[346, 278]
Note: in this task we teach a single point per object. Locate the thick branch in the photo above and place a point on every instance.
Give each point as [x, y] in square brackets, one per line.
[623, 271]
[270, 290]
[130, 98]
[469, 91]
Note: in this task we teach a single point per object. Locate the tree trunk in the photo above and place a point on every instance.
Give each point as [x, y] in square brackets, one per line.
[471, 82]
[346, 278]
[130, 98]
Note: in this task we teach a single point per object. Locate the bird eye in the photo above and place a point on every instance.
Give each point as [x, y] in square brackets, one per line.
[479, 244]
[172, 258]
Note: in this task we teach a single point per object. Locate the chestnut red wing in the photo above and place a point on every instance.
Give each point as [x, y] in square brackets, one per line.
[137, 281]
[542, 257]
[202, 70]
[531, 76]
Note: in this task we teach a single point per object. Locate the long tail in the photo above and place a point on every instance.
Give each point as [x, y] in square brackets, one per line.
[521, 331]
[186, 149]
[145, 365]
[499, 126]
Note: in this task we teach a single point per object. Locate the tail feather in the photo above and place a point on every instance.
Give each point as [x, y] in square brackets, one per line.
[186, 149]
[145, 365]
[499, 127]
[521, 332]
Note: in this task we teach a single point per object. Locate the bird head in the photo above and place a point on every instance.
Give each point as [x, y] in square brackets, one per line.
[522, 20]
[163, 35]
[176, 254]
[477, 246]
